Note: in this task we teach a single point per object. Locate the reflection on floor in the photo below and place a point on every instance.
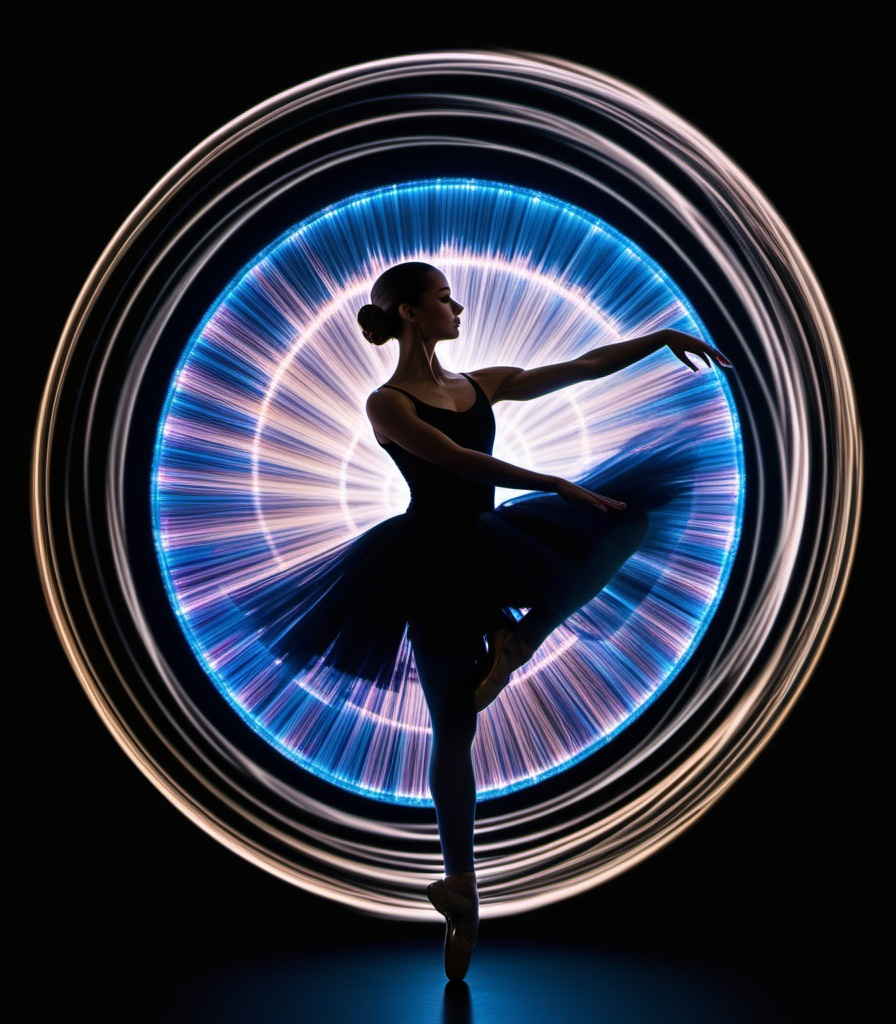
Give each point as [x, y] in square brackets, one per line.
[513, 983]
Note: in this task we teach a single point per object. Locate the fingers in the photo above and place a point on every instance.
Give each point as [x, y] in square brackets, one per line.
[706, 352]
[683, 357]
[606, 504]
[719, 357]
[575, 494]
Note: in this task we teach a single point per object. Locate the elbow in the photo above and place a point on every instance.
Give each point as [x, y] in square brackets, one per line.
[594, 365]
[460, 462]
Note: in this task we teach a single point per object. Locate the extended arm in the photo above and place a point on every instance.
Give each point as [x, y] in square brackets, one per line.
[393, 417]
[509, 383]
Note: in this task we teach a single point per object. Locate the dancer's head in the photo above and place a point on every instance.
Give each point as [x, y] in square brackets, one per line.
[397, 293]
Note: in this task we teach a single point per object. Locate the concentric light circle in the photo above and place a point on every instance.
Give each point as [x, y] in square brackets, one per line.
[266, 465]
[782, 458]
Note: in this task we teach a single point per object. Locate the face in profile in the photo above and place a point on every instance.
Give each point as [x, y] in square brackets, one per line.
[437, 312]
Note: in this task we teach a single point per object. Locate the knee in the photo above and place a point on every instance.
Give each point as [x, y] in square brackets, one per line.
[454, 731]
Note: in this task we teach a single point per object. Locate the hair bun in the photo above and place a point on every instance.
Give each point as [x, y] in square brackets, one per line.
[372, 321]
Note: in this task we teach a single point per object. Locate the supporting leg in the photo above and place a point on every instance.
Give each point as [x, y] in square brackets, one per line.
[444, 665]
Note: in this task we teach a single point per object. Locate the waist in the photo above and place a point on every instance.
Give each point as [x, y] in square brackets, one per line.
[457, 510]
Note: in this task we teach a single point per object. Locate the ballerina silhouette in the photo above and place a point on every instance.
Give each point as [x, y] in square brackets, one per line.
[476, 589]
[457, 566]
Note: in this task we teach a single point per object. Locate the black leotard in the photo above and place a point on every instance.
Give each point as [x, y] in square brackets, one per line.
[438, 493]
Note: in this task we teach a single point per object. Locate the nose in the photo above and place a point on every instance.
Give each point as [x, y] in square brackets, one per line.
[457, 307]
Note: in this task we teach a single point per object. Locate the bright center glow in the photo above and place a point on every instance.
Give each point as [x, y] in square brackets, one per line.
[266, 468]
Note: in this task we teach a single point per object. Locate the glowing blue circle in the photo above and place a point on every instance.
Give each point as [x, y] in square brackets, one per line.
[265, 465]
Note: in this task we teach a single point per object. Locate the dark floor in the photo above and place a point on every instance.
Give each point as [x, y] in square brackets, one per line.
[518, 982]
[185, 933]
[514, 982]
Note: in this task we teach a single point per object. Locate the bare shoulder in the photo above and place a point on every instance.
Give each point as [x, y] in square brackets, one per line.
[492, 378]
[388, 401]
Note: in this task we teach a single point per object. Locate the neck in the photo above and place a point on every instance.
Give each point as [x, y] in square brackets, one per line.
[417, 362]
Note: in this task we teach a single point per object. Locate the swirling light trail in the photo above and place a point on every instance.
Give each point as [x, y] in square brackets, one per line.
[537, 123]
[253, 489]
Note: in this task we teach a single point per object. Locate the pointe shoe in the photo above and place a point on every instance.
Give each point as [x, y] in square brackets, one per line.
[496, 673]
[461, 927]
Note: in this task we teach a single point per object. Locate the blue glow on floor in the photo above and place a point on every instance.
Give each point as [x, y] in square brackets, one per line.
[507, 984]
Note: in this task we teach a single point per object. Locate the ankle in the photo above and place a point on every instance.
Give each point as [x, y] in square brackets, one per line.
[463, 882]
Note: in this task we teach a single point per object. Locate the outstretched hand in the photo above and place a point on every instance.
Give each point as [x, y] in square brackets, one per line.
[581, 495]
[681, 344]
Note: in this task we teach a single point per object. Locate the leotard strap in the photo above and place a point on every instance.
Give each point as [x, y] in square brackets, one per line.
[476, 388]
[402, 390]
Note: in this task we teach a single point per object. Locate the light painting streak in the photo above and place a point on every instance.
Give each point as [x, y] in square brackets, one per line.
[536, 123]
[254, 490]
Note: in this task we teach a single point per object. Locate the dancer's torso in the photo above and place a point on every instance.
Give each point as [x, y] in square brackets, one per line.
[439, 494]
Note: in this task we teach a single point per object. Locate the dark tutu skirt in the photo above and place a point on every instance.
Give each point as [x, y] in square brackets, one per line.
[350, 609]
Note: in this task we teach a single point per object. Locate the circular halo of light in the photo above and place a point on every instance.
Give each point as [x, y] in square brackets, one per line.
[256, 505]
[538, 122]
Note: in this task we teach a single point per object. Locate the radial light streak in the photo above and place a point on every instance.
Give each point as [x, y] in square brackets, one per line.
[289, 434]
[539, 124]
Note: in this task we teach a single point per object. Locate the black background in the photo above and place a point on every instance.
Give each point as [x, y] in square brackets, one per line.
[110, 891]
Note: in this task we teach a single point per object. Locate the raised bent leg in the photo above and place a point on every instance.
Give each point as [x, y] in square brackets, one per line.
[594, 573]
[511, 646]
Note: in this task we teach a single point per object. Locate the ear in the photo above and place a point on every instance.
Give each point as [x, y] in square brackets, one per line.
[406, 312]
